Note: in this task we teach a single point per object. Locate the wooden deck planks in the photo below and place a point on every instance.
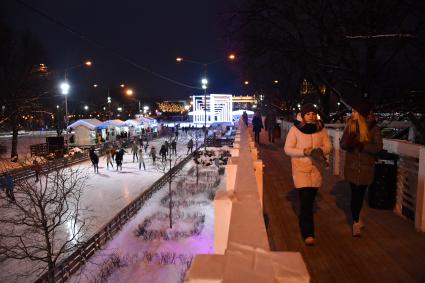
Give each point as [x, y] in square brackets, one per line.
[390, 250]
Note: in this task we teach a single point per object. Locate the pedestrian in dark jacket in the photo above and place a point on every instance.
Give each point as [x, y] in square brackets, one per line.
[37, 169]
[361, 140]
[153, 154]
[245, 118]
[257, 125]
[174, 147]
[270, 123]
[189, 146]
[308, 135]
[8, 184]
[94, 159]
[163, 152]
[119, 156]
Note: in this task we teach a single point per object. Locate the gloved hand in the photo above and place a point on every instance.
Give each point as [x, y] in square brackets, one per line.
[318, 157]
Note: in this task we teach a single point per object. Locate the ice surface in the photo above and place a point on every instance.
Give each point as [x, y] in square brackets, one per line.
[106, 193]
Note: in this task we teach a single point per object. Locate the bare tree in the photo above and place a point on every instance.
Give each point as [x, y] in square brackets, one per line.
[46, 222]
[23, 80]
[344, 48]
[165, 166]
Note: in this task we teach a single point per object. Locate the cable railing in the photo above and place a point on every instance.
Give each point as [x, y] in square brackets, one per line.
[78, 258]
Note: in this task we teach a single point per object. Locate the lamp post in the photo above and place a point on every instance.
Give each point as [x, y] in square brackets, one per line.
[65, 87]
[204, 81]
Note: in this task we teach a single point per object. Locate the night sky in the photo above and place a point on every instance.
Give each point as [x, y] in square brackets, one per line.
[150, 33]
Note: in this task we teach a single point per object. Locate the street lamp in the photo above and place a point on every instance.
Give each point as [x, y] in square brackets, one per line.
[65, 87]
[204, 81]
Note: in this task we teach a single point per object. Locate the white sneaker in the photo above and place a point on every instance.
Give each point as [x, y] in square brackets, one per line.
[356, 229]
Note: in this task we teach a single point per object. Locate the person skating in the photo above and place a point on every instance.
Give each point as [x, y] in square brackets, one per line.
[361, 140]
[174, 147]
[189, 146]
[108, 157]
[8, 184]
[94, 159]
[257, 125]
[163, 152]
[36, 166]
[307, 135]
[119, 156]
[153, 154]
[146, 146]
[141, 159]
[135, 150]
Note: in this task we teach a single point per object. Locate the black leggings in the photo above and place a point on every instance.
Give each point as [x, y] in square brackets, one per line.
[306, 220]
[357, 196]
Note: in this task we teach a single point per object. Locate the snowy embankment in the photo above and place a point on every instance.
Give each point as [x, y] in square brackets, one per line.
[147, 249]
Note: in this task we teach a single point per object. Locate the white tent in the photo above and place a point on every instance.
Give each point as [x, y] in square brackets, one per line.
[85, 131]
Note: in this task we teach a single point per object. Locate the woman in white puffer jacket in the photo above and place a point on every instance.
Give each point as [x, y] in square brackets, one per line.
[307, 143]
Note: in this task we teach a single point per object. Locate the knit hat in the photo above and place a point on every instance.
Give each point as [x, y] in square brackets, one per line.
[363, 107]
[308, 107]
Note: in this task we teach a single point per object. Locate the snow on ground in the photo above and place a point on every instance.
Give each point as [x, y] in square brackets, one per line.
[107, 192]
[147, 250]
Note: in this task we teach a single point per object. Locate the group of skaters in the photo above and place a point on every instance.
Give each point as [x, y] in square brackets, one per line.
[308, 144]
[139, 148]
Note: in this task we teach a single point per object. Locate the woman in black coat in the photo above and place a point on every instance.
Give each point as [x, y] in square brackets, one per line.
[257, 124]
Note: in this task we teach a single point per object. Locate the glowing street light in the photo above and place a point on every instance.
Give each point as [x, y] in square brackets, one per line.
[119, 109]
[122, 85]
[95, 85]
[231, 56]
[86, 107]
[246, 82]
[65, 88]
[129, 92]
[179, 59]
[276, 81]
[88, 63]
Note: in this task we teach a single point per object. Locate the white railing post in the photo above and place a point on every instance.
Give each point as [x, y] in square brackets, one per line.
[222, 214]
[258, 168]
[420, 194]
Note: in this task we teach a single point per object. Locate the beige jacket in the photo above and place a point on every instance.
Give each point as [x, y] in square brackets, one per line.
[304, 172]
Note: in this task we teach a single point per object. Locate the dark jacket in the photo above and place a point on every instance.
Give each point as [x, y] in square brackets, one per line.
[270, 121]
[257, 124]
[360, 157]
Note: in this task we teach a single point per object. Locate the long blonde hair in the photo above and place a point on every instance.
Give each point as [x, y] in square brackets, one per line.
[359, 126]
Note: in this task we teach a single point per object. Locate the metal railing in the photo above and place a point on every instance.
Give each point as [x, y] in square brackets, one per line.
[77, 259]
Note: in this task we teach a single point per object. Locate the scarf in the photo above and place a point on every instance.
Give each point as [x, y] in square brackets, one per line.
[307, 128]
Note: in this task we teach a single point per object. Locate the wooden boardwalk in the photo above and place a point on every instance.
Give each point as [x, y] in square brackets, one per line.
[390, 250]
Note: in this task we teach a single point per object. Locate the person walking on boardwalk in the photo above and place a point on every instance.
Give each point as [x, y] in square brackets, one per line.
[141, 159]
[306, 140]
[361, 140]
[257, 125]
[245, 118]
[134, 150]
[108, 157]
[270, 123]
